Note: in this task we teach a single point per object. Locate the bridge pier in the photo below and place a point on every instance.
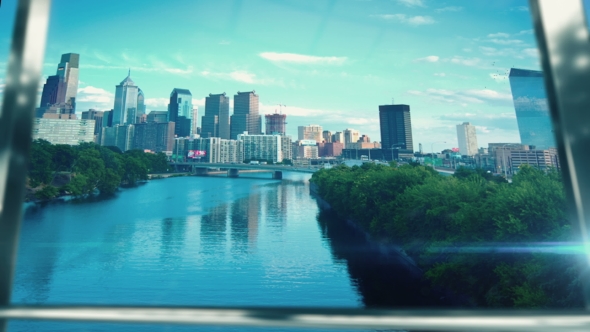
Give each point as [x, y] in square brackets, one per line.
[201, 171]
[278, 175]
[233, 173]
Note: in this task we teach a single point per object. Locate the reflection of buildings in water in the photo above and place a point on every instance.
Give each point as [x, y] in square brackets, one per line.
[244, 222]
[253, 211]
[213, 227]
[173, 233]
[275, 204]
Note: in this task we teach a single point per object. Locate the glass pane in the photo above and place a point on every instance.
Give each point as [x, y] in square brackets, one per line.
[325, 154]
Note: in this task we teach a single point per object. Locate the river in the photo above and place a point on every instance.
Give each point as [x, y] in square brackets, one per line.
[204, 241]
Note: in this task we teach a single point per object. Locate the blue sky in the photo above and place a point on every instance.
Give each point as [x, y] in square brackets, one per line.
[330, 62]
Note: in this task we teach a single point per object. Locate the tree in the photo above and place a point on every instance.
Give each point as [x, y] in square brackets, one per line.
[47, 192]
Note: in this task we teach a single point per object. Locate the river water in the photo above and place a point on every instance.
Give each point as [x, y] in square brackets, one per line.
[191, 241]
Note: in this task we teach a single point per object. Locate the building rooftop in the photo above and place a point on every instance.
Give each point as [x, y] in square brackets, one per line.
[181, 91]
[515, 72]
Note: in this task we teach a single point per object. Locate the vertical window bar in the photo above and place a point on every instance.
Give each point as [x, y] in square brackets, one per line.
[16, 121]
[564, 45]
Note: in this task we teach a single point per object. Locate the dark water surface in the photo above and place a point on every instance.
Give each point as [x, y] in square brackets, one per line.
[181, 241]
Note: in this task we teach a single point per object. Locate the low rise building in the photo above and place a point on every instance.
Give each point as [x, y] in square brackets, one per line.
[64, 131]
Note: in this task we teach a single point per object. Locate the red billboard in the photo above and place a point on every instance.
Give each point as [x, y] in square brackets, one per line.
[196, 153]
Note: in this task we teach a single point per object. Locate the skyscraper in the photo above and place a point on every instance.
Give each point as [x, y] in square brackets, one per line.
[351, 136]
[245, 117]
[327, 136]
[467, 139]
[532, 111]
[180, 109]
[311, 132]
[276, 124]
[125, 109]
[215, 122]
[140, 104]
[396, 127]
[60, 90]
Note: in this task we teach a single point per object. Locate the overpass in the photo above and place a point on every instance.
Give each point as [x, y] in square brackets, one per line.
[233, 170]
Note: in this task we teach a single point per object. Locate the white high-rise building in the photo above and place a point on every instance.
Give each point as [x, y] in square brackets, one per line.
[351, 136]
[467, 139]
[313, 132]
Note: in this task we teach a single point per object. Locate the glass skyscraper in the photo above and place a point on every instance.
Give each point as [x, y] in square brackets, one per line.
[180, 111]
[215, 122]
[60, 90]
[125, 109]
[246, 117]
[532, 111]
[396, 127]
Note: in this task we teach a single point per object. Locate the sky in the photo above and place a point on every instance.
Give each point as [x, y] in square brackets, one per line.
[329, 62]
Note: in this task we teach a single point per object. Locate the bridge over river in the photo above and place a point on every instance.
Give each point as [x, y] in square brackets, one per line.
[233, 170]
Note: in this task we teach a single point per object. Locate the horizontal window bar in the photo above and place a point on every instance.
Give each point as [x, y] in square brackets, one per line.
[426, 320]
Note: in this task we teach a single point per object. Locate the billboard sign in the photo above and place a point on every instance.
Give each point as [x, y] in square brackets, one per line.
[196, 153]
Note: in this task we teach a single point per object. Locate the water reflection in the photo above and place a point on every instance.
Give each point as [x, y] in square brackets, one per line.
[172, 239]
[244, 223]
[213, 228]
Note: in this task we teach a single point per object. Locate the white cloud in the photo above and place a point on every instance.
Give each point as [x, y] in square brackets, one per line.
[93, 97]
[440, 74]
[532, 52]
[411, 20]
[224, 42]
[241, 76]
[526, 32]
[465, 97]
[520, 9]
[302, 59]
[450, 9]
[467, 50]
[499, 35]
[470, 62]
[430, 58]
[412, 3]
[506, 41]
[156, 102]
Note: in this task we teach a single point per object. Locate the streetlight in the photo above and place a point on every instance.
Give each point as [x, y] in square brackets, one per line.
[432, 151]
[504, 157]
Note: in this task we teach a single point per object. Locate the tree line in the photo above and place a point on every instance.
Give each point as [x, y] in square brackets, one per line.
[90, 168]
[472, 233]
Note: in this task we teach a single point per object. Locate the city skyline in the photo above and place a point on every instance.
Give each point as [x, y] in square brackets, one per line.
[330, 64]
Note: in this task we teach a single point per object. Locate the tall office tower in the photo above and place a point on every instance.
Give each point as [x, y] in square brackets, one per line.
[338, 137]
[351, 136]
[140, 105]
[245, 117]
[532, 111]
[327, 136]
[311, 132]
[276, 124]
[215, 122]
[61, 89]
[396, 127]
[125, 109]
[467, 139]
[107, 118]
[181, 105]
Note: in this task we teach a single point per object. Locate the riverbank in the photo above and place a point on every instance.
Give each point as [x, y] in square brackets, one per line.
[461, 230]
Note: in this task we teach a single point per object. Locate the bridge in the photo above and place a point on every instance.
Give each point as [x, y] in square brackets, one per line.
[233, 170]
